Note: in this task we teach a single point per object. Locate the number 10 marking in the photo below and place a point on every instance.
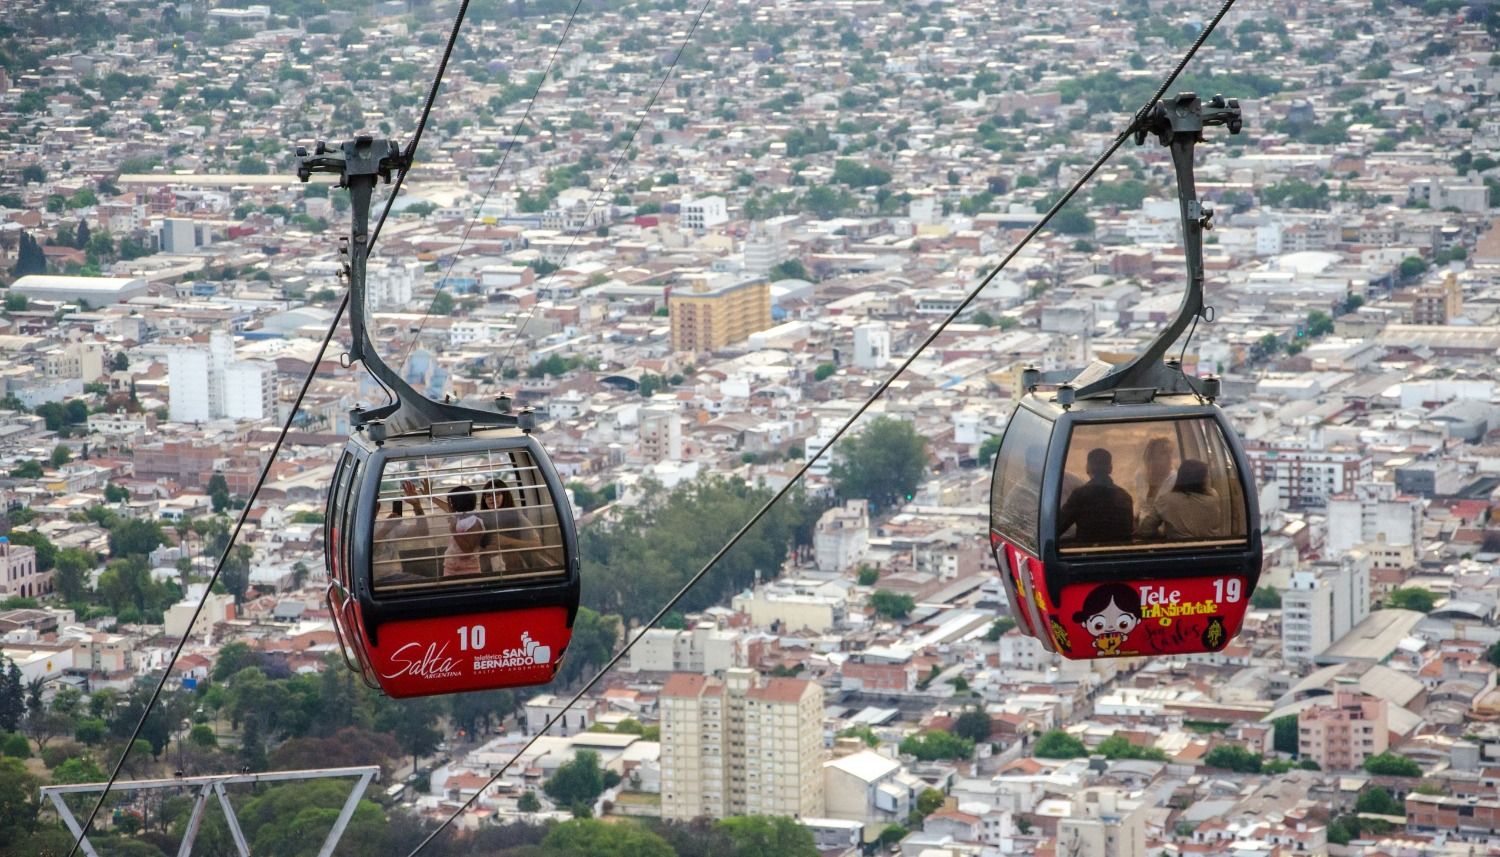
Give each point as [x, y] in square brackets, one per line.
[472, 636]
[1227, 589]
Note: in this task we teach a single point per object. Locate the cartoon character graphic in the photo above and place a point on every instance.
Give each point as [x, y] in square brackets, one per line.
[1060, 635]
[1109, 614]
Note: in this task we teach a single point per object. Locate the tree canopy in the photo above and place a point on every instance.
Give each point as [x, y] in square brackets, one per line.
[882, 464]
[936, 744]
[1058, 744]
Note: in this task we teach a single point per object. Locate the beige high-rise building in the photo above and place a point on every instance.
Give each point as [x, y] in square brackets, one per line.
[707, 318]
[741, 746]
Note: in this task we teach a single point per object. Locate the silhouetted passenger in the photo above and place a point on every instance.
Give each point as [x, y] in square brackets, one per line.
[1102, 510]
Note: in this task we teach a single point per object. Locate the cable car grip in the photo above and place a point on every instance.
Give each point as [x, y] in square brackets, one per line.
[1177, 123]
[360, 164]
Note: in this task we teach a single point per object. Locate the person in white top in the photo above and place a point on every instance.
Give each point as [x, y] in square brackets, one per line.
[1191, 510]
[1156, 478]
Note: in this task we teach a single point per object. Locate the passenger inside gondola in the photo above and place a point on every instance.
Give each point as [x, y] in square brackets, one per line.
[1099, 512]
[1156, 476]
[1191, 510]
[510, 540]
[466, 533]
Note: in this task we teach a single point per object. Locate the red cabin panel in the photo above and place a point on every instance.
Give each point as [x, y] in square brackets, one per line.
[1132, 618]
[474, 651]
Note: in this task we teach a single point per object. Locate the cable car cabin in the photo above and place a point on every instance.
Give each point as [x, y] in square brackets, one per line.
[1125, 529]
[453, 561]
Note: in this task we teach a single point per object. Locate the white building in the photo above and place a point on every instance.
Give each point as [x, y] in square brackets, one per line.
[1373, 514]
[700, 215]
[1323, 603]
[872, 345]
[704, 649]
[842, 536]
[764, 248]
[217, 607]
[661, 433]
[207, 383]
[182, 235]
[390, 284]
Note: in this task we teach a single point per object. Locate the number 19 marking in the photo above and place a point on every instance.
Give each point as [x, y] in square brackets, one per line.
[1227, 590]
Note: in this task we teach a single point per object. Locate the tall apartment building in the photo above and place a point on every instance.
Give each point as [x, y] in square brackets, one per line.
[1103, 823]
[1341, 733]
[1439, 303]
[1306, 476]
[207, 383]
[741, 746]
[20, 576]
[661, 433]
[707, 318]
[1324, 601]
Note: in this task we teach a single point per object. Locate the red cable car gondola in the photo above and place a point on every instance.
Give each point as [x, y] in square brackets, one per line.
[451, 551]
[1122, 509]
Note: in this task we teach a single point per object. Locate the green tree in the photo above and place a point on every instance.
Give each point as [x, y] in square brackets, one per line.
[1058, 744]
[411, 723]
[202, 735]
[930, 801]
[824, 371]
[28, 469]
[973, 724]
[134, 537]
[667, 538]
[988, 448]
[579, 781]
[791, 269]
[1285, 739]
[767, 836]
[1392, 765]
[1265, 597]
[61, 455]
[1319, 324]
[1410, 598]
[999, 628]
[1119, 747]
[1378, 801]
[232, 658]
[1412, 267]
[529, 802]
[867, 576]
[1072, 221]
[442, 304]
[881, 464]
[14, 745]
[936, 744]
[591, 838]
[862, 732]
[1233, 757]
[19, 800]
[891, 605]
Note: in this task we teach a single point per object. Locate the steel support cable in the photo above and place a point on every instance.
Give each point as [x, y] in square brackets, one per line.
[499, 169]
[286, 428]
[610, 176]
[853, 418]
